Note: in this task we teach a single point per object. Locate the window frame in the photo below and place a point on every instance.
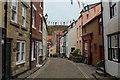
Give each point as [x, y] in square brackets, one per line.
[34, 17]
[40, 24]
[25, 9]
[20, 61]
[33, 50]
[41, 4]
[16, 12]
[111, 49]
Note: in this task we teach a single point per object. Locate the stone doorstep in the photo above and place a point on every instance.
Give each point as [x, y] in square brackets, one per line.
[98, 77]
[28, 73]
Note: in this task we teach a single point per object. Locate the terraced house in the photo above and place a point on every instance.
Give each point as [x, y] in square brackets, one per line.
[111, 25]
[92, 34]
[17, 37]
[37, 26]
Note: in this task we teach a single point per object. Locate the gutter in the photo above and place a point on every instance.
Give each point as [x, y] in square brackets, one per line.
[103, 39]
[5, 34]
[30, 36]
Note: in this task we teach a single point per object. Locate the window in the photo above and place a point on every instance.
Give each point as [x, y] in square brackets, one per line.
[20, 52]
[24, 16]
[40, 48]
[33, 17]
[100, 25]
[32, 53]
[113, 10]
[113, 47]
[41, 24]
[14, 11]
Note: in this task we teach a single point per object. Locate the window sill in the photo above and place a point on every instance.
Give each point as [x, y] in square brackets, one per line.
[114, 61]
[18, 63]
[34, 27]
[14, 24]
[33, 59]
[24, 28]
[40, 31]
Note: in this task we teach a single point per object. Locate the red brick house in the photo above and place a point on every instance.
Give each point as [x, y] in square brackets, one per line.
[92, 35]
[36, 49]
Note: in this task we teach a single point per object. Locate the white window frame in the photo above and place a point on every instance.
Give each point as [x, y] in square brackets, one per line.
[13, 10]
[20, 61]
[40, 29]
[24, 16]
[32, 53]
[33, 17]
[41, 4]
[112, 47]
[113, 7]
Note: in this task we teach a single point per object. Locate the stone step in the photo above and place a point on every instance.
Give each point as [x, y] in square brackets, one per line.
[100, 72]
[98, 77]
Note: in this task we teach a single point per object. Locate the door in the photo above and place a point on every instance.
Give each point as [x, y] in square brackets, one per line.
[37, 55]
[8, 60]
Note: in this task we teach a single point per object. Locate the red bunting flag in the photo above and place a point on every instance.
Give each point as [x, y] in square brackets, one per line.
[78, 3]
[94, 10]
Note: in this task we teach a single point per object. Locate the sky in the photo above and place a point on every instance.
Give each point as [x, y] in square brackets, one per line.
[63, 10]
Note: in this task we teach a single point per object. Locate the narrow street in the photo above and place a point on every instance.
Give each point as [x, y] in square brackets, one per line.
[60, 68]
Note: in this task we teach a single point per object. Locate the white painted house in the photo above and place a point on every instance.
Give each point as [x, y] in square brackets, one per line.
[111, 25]
[71, 39]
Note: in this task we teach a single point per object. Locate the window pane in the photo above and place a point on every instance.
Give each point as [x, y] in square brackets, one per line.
[23, 46]
[18, 46]
[17, 56]
[13, 15]
[109, 42]
[22, 56]
[115, 53]
[114, 41]
[109, 54]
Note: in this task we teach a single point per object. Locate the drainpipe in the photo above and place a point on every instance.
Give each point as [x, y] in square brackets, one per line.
[5, 34]
[103, 40]
[30, 36]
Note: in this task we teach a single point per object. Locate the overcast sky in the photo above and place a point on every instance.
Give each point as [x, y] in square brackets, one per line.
[62, 10]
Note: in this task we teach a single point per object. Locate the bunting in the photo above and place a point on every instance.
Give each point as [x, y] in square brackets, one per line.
[78, 3]
[59, 23]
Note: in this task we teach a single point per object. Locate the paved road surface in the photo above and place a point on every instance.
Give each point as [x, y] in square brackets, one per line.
[60, 68]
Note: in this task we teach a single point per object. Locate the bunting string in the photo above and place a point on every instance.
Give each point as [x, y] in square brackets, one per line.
[59, 22]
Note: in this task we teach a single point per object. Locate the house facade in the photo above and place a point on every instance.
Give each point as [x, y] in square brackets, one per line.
[79, 34]
[92, 35]
[111, 25]
[71, 39]
[44, 39]
[17, 38]
[37, 25]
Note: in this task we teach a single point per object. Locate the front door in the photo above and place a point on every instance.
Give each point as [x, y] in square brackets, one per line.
[8, 60]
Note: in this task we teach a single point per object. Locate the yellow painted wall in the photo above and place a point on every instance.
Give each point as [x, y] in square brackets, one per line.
[52, 50]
